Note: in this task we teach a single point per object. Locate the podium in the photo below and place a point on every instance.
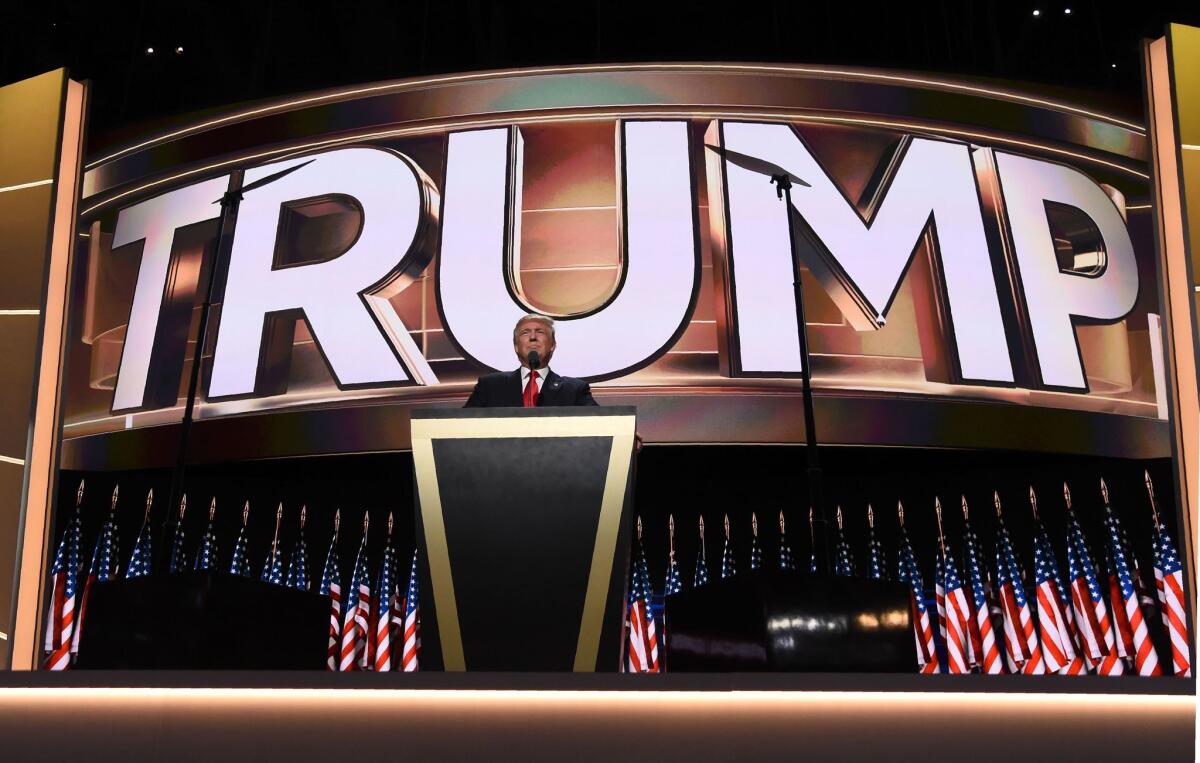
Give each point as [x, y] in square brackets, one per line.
[202, 621]
[780, 620]
[523, 525]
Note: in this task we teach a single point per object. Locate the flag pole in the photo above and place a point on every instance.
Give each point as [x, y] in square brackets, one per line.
[275, 540]
[1149, 491]
[937, 507]
[671, 535]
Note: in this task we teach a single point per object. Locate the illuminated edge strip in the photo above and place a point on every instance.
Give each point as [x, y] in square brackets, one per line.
[20, 312]
[594, 117]
[3, 636]
[661, 699]
[340, 95]
[34, 184]
[11, 460]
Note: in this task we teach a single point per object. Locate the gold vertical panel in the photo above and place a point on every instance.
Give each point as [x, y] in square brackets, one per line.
[437, 553]
[1173, 103]
[615, 483]
[425, 431]
[41, 124]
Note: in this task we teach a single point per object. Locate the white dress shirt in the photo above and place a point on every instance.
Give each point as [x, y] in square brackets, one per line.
[541, 373]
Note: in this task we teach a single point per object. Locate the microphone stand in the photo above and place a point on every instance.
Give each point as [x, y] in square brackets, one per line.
[783, 181]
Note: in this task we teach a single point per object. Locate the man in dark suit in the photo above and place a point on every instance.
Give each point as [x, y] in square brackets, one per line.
[533, 384]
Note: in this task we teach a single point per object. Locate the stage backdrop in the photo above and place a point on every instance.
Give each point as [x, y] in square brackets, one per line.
[978, 263]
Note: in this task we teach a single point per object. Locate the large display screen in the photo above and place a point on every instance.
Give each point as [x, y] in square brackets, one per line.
[977, 263]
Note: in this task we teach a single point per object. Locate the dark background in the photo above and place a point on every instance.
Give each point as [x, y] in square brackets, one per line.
[235, 52]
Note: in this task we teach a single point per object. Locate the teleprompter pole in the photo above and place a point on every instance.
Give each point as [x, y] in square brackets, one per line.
[206, 289]
[783, 188]
[783, 182]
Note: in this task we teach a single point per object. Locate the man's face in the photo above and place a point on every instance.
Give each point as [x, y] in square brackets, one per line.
[534, 335]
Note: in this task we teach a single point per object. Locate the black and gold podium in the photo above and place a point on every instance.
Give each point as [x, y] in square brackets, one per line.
[523, 523]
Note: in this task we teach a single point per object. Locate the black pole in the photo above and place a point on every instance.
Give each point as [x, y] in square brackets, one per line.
[822, 550]
[206, 288]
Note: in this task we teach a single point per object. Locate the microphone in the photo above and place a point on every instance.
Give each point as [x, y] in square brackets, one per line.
[534, 360]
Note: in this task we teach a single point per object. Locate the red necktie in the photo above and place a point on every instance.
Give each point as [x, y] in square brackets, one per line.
[531, 390]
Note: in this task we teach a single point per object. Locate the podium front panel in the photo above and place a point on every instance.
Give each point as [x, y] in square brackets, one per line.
[523, 521]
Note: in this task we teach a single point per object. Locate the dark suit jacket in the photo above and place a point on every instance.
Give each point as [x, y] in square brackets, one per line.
[504, 390]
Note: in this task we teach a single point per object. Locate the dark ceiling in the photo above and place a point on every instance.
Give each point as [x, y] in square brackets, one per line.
[234, 52]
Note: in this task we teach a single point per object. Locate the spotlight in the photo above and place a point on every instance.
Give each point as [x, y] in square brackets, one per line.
[1114, 66]
[149, 51]
[179, 50]
[1037, 12]
[1067, 11]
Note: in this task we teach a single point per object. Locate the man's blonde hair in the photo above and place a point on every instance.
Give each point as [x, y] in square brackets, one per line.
[534, 317]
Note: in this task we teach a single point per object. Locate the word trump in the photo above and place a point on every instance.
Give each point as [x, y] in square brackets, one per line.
[981, 213]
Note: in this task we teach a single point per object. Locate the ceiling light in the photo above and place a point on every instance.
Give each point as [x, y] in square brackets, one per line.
[149, 51]
[179, 50]
[1037, 12]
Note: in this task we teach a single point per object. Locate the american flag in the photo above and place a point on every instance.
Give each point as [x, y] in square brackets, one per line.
[178, 560]
[1087, 603]
[1020, 637]
[844, 561]
[141, 561]
[639, 617]
[331, 586]
[651, 630]
[878, 561]
[1168, 575]
[985, 654]
[787, 561]
[206, 555]
[410, 657]
[102, 569]
[909, 572]
[272, 570]
[755, 551]
[728, 562]
[239, 563]
[952, 610]
[701, 576]
[674, 581]
[1057, 647]
[356, 625]
[382, 604]
[297, 571]
[1127, 612]
[64, 579]
[643, 637]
